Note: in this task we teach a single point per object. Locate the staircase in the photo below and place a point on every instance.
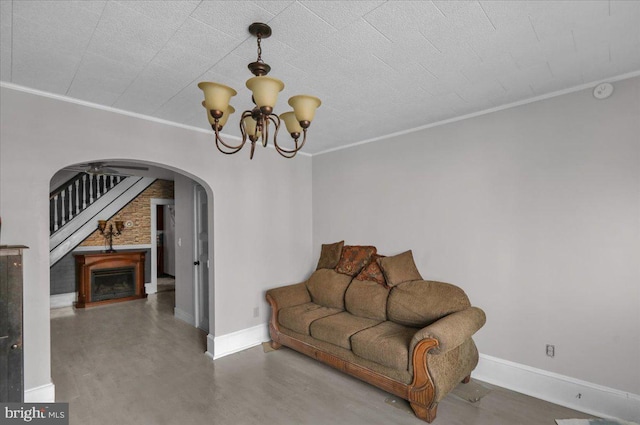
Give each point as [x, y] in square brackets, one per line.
[77, 205]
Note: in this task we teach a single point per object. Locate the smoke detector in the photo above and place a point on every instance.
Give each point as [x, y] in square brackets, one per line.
[603, 90]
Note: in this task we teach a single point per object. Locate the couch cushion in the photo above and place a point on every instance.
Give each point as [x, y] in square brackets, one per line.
[338, 328]
[354, 258]
[372, 271]
[386, 344]
[420, 303]
[327, 288]
[330, 255]
[367, 299]
[298, 318]
[399, 268]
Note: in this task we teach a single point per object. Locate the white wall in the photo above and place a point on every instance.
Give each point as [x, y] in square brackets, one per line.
[534, 211]
[261, 217]
[183, 195]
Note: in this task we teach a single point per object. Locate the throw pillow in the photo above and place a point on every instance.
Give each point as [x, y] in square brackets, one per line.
[373, 272]
[354, 258]
[330, 255]
[399, 268]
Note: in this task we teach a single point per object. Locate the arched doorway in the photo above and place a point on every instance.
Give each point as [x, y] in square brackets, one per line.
[193, 242]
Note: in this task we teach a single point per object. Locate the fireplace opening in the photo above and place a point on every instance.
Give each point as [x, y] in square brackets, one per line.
[108, 284]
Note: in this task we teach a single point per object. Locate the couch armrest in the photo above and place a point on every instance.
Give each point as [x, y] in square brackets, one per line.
[288, 296]
[451, 330]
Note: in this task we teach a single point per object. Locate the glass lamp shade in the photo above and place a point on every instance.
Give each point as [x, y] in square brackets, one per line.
[250, 127]
[225, 116]
[216, 96]
[265, 90]
[304, 106]
[289, 118]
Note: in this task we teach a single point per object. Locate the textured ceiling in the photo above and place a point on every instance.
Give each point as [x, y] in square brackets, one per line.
[379, 66]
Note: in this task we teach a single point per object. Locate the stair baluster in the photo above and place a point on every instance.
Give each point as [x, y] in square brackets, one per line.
[55, 213]
[84, 191]
[98, 187]
[91, 178]
[62, 213]
[77, 197]
[70, 189]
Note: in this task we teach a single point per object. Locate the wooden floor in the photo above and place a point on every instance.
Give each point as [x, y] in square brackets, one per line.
[134, 363]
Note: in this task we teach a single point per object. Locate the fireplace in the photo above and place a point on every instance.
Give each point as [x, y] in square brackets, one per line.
[109, 277]
[107, 284]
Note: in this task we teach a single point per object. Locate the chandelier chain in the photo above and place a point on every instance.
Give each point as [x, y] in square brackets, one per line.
[259, 49]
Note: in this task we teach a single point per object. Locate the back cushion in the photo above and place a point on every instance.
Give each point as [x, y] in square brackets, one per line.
[327, 288]
[421, 302]
[366, 298]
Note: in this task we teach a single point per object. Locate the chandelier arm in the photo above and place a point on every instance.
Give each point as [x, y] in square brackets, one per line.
[229, 152]
[276, 122]
[265, 130]
[253, 149]
[220, 141]
[285, 155]
[297, 148]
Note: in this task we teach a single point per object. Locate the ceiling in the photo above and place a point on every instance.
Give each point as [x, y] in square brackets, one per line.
[379, 67]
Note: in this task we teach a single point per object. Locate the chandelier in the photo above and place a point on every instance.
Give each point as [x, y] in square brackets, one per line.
[255, 123]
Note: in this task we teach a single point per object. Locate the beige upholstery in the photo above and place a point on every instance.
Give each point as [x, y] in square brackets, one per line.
[421, 302]
[386, 344]
[338, 328]
[366, 298]
[299, 318]
[327, 288]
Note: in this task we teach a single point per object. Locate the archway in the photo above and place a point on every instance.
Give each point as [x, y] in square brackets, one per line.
[188, 295]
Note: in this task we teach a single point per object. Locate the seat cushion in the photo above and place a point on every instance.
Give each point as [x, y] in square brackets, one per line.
[327, 288]
[366, 298]
[298, 318]
[386, 344]
[338, 328]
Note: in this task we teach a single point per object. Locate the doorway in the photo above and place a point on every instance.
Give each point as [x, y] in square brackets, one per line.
[162, 256]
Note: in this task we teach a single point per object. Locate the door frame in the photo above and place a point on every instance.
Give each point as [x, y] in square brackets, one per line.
[152, 286]
[197, 297]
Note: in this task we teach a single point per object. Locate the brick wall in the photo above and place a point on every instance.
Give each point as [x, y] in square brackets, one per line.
[138, 212]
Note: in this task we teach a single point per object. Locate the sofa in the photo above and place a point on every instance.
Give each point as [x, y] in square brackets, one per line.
[375, 318]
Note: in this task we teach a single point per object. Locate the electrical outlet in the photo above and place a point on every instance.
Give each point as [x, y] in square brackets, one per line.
[256, 311]
[551, 350]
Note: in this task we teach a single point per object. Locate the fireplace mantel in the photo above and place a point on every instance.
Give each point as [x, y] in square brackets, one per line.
[92, 266]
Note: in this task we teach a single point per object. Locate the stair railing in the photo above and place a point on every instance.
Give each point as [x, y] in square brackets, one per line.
[75, 195]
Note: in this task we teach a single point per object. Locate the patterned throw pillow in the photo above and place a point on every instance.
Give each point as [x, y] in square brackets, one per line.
[373, 272]
[330, 255]
[354, 258]
[399, 268]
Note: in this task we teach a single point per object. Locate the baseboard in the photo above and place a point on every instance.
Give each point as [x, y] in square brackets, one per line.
[63, 300]
[184, 316]
[237, 341]
[150, 288]
[565, 391]
[42, 394]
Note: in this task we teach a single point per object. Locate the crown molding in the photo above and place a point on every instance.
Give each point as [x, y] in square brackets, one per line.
[485, 111]
[338, 148]
[68, 99]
